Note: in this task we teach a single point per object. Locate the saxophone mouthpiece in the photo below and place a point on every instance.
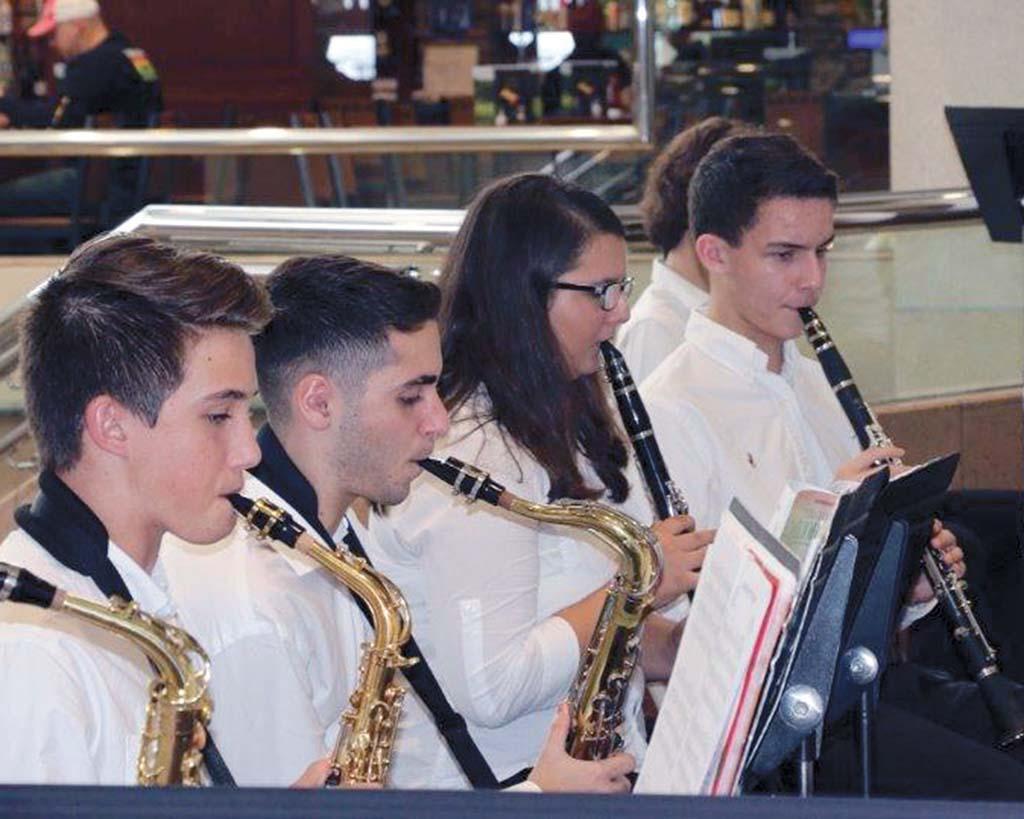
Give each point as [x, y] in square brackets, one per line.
[465, 479]
[242, 504]
[21, 586]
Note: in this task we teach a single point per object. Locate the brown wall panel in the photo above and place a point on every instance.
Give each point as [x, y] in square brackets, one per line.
[254, 54]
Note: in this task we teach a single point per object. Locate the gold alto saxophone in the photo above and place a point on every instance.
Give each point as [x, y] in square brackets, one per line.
[179, 707]
[362, 753]
[602, 679]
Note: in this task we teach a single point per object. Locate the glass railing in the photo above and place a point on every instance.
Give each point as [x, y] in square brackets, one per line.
[919, 299]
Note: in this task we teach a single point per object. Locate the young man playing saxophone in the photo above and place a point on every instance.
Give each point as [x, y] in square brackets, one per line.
[138, 369]
[347, 371]
[749, 413]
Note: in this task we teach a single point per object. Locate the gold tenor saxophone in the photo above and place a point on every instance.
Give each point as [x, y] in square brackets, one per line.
[602, 679]
[362, 753]
[179, 707]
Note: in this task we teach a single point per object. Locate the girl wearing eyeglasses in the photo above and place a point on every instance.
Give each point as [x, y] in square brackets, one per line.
[535, 280]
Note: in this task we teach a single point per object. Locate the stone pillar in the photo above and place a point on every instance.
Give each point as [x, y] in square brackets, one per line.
[947, 52]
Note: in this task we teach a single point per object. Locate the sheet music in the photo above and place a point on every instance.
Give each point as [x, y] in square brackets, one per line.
[738, 611]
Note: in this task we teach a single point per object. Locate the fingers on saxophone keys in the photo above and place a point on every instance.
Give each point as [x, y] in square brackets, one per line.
[616, 769]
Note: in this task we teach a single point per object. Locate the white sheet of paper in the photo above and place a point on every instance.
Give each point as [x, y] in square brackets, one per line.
[700, 723]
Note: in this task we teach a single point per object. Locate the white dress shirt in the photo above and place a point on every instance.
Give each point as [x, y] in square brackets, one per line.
[657, 322]
[72, 695]
[484, 586]
[729, 427]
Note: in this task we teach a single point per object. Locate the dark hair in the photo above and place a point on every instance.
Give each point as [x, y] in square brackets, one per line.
[333, 314]
[668, 179]
[518, 236]
[116, 321]
[741, 172]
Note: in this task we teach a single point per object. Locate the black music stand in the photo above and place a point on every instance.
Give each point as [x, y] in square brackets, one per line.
[893, 539]
[796, 695]
[865, 650]
[803, 670]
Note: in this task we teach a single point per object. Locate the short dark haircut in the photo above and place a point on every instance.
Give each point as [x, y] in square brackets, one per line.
[741, 172]
[668, 179]
[117, 321]
[519, 235]
[332, 314]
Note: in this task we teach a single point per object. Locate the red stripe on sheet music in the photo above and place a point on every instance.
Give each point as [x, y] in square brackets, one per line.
[773, 581]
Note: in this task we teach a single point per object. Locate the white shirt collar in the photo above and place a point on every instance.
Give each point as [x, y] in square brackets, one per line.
[149, 589]
[670, 282]
[737, 352]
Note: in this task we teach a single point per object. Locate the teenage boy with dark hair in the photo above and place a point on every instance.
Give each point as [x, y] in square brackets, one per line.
[347, 369]
[678, 282]
[138, 370]
[748, 413]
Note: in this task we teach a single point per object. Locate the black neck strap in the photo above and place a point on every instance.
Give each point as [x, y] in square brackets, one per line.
[60, 522]
[279, 472]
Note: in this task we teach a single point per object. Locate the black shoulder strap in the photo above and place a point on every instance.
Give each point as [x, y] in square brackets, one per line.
[450, 723]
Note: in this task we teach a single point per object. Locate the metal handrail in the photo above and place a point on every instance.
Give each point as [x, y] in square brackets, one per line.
[354, 230]
[416, 139]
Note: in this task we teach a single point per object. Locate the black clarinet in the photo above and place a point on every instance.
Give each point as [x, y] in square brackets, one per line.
[668, 500]
[978, 654]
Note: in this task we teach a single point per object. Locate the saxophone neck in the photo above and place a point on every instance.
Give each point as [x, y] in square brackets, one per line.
[635, 546]
[387, 606]
[178, 659]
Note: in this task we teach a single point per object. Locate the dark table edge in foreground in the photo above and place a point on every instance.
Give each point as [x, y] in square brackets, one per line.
[138, 803]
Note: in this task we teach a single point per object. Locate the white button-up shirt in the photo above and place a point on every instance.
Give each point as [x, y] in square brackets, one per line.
[729, 427]
[484, 586]
[72, 695]
[285, 640]
[657, 322]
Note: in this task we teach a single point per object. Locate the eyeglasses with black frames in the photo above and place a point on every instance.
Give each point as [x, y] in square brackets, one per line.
[608, 294]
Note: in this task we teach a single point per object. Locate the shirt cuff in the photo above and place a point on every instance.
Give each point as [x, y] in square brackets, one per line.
[526, 786]
[915, 611]
[560, 654]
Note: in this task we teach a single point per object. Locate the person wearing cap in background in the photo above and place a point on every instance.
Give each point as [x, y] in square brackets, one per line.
[103, 73]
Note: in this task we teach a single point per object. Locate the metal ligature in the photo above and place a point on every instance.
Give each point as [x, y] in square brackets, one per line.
[362, 753]
[668, 500]
[179, 706]
[978, 654]
[602, 679]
